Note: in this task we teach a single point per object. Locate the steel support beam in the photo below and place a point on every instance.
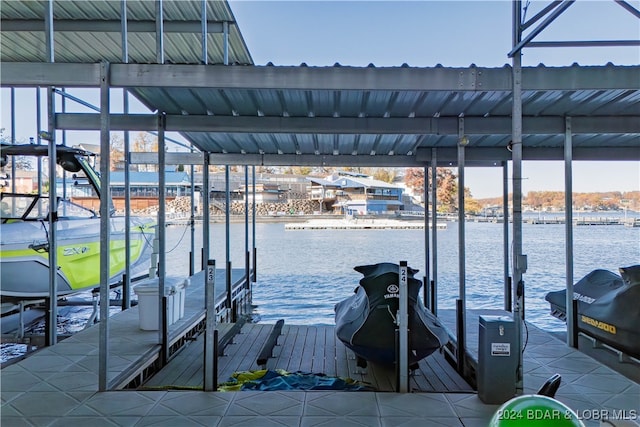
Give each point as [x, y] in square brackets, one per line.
[352, 125]
[568, 208]
[518, 259]
[321, 78]
[474, 157]
[427, 254]
[505, 239]
[434, 228]
[52, 309]
[110, 26]
[105, 229]
[162, 261]
[461, 328]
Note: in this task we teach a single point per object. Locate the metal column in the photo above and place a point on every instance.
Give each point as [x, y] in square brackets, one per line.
[519, 259]
[13, 136]
[105, 232]
[461, 327]
[209, 286]
[247, 267]
[210, 335]
[52, 309]
[434, 231]
[403, 330]
[126, 282]
[162, 267]
[427, 271]
[568, 203]
[39, 142]
[227, 232]
[505, 240]
[159, 32]
[253, 220]
[204, 31]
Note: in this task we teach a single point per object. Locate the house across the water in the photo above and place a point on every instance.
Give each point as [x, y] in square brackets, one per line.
[354, 193]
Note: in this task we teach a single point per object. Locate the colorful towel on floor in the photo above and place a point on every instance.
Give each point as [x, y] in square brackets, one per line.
[269, 380]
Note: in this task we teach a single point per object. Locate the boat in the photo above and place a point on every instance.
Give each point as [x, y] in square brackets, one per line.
[608, 308]
[365, 321]
[24, 227]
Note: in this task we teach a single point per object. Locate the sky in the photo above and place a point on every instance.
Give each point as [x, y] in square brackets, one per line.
[426, 33]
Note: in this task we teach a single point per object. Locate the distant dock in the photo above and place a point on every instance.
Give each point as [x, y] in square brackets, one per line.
[359, 224]
[585, 221]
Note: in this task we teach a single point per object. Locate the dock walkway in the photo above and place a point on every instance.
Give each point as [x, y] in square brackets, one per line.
[311, 349]
[58, 386]
[360, 224]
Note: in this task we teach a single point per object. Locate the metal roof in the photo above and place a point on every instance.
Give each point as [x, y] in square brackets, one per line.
[90, 31]
[338, 115]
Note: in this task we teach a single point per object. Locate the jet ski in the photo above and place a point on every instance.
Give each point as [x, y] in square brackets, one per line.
[366, 321]
[608, 307]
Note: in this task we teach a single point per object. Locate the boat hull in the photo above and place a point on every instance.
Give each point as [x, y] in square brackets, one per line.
[365, 322]
[24, 264]
[608, 308]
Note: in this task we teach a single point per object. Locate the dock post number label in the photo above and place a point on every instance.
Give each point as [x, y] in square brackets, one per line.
[500, 349]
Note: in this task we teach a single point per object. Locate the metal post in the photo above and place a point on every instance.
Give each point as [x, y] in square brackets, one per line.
[205, 210]
[159, 32]
[460, 335]
[52, 311]
[225, 42]
[162, 184]
[63, 106]
[105, 230]
[209, 338]
[52, 314]
[164, 332]
[403, 326]
[192, 253]
[227, 232]
[126, 282]
[205, 32]
[434, 230]
[13, 137]
[253, 220]
[568, 227]
[505, 231]
[519, 259]
[427, 277]
[39, 142]
[247, 270]
[462, 317]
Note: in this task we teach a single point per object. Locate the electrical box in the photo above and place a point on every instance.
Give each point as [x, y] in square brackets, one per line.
[497, 359]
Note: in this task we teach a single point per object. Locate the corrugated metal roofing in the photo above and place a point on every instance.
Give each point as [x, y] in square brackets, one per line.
[604, 102]
[92, 46]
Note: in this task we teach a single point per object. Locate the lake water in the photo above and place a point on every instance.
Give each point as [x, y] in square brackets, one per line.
[303, 273]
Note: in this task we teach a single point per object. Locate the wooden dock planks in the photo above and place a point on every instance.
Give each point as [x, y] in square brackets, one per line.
[312, 349]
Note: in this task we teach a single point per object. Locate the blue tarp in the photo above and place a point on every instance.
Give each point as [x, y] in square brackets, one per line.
[270, 380]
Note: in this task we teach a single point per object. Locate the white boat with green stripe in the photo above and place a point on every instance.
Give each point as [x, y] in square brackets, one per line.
[24, 234]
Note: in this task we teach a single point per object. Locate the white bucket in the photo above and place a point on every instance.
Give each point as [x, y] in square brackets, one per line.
[148, 292]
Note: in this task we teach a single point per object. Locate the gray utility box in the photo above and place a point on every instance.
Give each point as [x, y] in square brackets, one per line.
[497, 359]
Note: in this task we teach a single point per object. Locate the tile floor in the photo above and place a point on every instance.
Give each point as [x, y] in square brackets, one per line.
[58, 387]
